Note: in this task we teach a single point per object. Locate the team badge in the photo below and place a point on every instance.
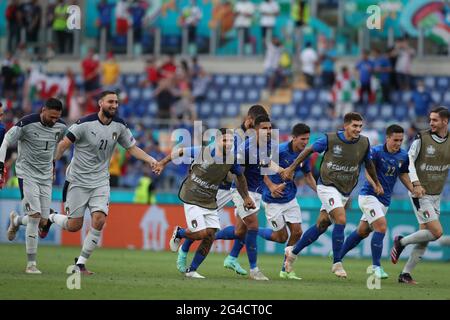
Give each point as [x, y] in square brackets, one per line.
[337, 150]
[431, 150]
[372, 213]
[331, 201]
[114, 136]
[274, 224]
[67, 211]
[194, 224]
[426, 214]
[57, 136]
[400, 163]
[27, 207]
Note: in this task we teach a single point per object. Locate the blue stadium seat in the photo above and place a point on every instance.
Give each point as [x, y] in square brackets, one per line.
[276, 111]
[283, 125]
[239, 95]
[324, 125]
[311, 96]
[218, 109]
[247, 81]
[442, 82]
[429, 82]
[220, 80]
[260, 81]
[131, 80]
[303, 111]
[234, 80]
[204, 110]
[401, 112]
[232, 110]
[406, 96]
[379, 125]
[324, 96]
[446, 99]
[147, 93]
[226, 94]
[213, 122]
[386, 111]
[289, 111]
[371, 112]
[79, 80]
[436, 96]
[317, 111]
[253, 95]
[297, 96]
[135, 94]
[152, 109]
[213, 95]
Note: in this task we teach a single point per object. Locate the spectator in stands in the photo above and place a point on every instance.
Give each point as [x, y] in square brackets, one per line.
[137, 13]
[32, 12]
[2, 126]
[344, 93]
[151, 70]
[13, 17]
[299, 12]
[272, 62]
[200, 81]
[244, 11]
[104, 11]
[269, 10]
[60, 27]
[122, 17]
[166, 94]
[327, 60]
[110, 73]
[405, 54]
[190, 18]
[421, 102]
[392, 55]
[309, 60]
[196, 68]
[222, 18]
[91, 72]
[365, 70]
[382, 68]
[10, 73]
[169, 68]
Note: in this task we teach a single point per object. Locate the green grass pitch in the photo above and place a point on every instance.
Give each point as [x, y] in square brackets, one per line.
[136, 274]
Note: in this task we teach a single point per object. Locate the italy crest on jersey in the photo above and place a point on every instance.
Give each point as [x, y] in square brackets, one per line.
[57, 136]
[114, 136]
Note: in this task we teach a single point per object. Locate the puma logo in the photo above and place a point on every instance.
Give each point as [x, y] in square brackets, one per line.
[34, 237]
[93, 133]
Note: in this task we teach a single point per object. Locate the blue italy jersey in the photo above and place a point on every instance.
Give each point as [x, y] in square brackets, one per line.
[2, 133]
[388, 166]
[252, 164]
[287, 156]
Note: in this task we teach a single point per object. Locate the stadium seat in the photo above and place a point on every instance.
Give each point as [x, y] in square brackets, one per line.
[135, 94]
[283, 125]
[239, 95]
[232, 110]
[234, 80]
[204, 110]
[371, 112]
[260, 81]
[442, 82]
[386, 111]
[276, 111]
[436, 96]
[297, 96]
[213, 95]
[446, 99]
[247, 81]
[131, 80]
[324, 96]
[401, 112]
[253, 95]
[289, 111]
[152, 109]
[429, 82]
[317, 111]
[218, 109]
[147, 93]
[303, 111]
[311, 96]
[220, 80]
[226, 94]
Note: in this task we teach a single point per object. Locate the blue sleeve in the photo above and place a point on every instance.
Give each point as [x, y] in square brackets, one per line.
[368, 155]
[306, 168]
[358, 65]
[405, 166]
[236, 169]
[320, 145]
[2, 135]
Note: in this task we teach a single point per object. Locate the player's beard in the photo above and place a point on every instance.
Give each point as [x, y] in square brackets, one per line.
[107, 114]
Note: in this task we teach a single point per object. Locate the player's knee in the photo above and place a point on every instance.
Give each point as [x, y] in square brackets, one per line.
[381, 228]
[240, 233]
[74, 225]
[98, 221]
[437, 233]
[203, 234]
[36, 215]
[323, 224]
[296, 233]
[280, 236]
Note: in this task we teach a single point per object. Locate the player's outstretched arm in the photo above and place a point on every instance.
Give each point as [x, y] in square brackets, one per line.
[288, 173]
[311, 182]
[140, 154]
[242, 188]
[370, 167]
[62, 147]
[160, 165]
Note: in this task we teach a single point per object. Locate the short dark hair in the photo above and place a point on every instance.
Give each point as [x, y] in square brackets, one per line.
[224, 131]
[261, 118]
[299, 129]
[394, 128]
[257, 110]
[442, 112]
[352, 116]
[106, 92]
[54, 104]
